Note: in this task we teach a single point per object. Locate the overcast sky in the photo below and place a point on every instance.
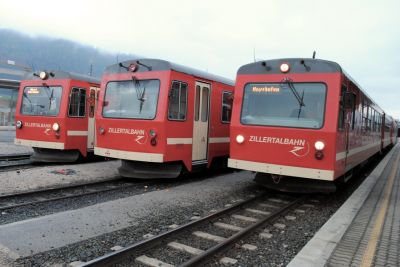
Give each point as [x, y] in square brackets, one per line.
[221, 35]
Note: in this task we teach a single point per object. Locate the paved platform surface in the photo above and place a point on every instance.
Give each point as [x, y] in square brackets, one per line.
[365, 231]
[7, 146]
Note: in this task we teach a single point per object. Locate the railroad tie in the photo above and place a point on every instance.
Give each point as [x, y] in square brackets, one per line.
[152, 262]
[185, 248]
[277, 200]
[266, 205]
[228, 226]
[244, 218]
[260, 212]
[208, 236]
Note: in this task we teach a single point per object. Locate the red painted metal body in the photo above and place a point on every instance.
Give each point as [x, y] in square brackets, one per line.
[37, 130]
[274, 150]
[129, 138]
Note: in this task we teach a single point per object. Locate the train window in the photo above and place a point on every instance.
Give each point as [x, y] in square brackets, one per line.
[377, 121]
[41, 100]
[370, 117]
[353, 113]
[133, 99]
[177, 101]
[373, 120]
[204, 104]
[300, 105]
[342, 110]
[366, 116]
[197, 103]
[380, 123]
[226, 107]
[77, 102]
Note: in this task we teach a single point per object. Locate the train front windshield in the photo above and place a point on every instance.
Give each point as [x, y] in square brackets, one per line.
[41, 100]
[133, 99]
[297, 105]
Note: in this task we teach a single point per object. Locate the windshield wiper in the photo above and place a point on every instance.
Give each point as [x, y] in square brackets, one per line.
[51, 97]
[140, 94]
[294, 91]
[27, 98]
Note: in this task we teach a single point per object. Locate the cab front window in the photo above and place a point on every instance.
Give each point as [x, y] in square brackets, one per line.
[133, 99]
[287, 104]
[41, 100]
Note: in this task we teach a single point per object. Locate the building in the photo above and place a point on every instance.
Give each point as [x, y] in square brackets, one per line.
[10, 75]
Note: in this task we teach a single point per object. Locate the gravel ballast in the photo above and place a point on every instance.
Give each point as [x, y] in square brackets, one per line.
[49, 232]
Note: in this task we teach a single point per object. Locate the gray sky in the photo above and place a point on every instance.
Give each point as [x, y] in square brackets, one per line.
[220, 35]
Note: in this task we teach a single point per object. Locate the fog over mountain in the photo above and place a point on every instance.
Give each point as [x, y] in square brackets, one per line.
[46, 53]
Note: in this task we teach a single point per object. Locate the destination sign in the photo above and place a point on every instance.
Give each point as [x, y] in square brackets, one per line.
[266, 89]
[33, 90]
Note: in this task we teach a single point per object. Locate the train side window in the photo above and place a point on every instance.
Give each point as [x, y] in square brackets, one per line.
[226, 107]
[177, 101]
[197, 103]
[365, 116]
[374, 120]
[370, 117]
[204, 104]
[77, 102]
[342, 108]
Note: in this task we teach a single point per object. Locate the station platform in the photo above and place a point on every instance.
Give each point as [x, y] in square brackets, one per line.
[7, 146]
[365, 231]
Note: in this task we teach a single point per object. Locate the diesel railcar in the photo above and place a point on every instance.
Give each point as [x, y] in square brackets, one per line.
[162, 119]
[304, 124]
[55, 115]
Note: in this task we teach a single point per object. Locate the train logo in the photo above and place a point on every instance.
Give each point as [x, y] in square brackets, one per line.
[140, 135]
[141, 139]
[301, 151]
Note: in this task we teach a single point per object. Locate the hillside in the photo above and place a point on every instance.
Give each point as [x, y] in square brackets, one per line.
[46, 53]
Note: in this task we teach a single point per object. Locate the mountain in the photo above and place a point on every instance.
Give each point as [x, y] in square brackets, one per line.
[41, 53]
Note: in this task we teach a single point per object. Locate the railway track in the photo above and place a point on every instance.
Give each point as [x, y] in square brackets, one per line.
[236, 221]
[12, 201]
[13, 160]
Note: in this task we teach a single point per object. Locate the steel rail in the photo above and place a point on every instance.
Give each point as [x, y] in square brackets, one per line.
[51, 190]
[207, 255]
[15, 157]
[144, 245]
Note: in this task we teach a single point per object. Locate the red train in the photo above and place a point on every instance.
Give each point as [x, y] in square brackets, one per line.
[304, 124]
[161, 118]
[55, 115]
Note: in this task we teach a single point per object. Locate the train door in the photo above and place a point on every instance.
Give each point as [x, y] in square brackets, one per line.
[200, 122]
[91, 121]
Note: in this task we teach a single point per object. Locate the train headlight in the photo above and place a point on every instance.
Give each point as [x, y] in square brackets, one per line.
[43, 75]
[285, 67]
[240, 138]
[133, 67]
[319, 145]
[56, 126]
[18, 124]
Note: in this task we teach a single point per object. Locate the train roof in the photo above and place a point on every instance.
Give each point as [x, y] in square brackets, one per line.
[298, 65]
[161, 65]
[59, 74]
